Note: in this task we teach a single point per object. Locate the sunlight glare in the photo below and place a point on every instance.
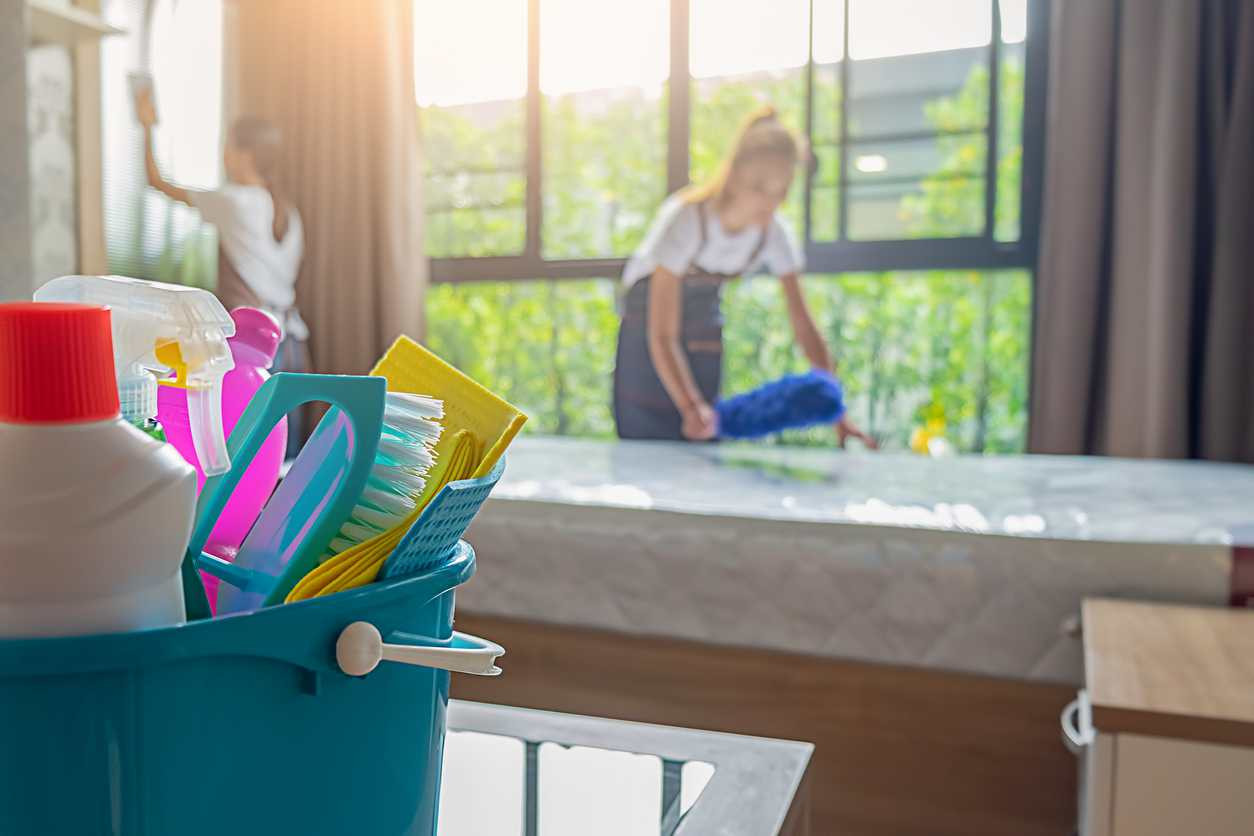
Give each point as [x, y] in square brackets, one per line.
[188, 90]
[602, 44]
[1014, 20]
[469, 51]
[476, 51]
[730, 37]
[881, 28]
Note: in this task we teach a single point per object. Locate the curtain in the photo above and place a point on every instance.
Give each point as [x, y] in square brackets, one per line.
[338, 79]
[1144, 342]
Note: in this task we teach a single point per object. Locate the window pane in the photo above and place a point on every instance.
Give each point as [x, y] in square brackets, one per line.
[825, 193]
[949, 346]
[933, 91]
[146, 234]
[475, 180]
[745, 54]
[1014, 20]
[876, 161]
[931, 188]
[880, 28]
[1009, 142]
[738, 37]
[604, 123]
[546, 346]
[471, 110]
[827, 37]
[918, 118]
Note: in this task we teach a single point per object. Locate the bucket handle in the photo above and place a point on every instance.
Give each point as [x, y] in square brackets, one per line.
[360, 648]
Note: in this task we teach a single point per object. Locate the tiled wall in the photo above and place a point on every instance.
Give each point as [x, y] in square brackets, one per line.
[15, 263]
[50, 123]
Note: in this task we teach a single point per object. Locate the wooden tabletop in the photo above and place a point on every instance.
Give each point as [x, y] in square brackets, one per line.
[1170, 671]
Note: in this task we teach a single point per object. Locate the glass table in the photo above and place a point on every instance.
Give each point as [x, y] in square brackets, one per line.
[517, 772]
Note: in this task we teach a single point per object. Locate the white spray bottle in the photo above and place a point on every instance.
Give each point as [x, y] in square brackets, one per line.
[94, 514]
[163, 329]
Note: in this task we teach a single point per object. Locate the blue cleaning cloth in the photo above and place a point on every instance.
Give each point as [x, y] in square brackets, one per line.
[792, 402]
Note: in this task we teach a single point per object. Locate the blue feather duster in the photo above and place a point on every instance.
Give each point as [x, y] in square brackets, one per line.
[792, 402]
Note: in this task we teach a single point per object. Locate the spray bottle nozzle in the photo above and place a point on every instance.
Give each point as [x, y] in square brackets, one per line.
[163, 329]
[202, 377]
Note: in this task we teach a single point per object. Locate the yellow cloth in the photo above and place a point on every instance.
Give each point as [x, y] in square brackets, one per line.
[411, 368]
[478, 426]
[361, 564]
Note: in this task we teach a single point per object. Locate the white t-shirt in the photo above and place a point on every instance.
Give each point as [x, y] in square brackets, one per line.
[244, 216]
[674, 241]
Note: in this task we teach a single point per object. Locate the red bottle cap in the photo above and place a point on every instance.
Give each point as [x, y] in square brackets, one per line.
[56, 364]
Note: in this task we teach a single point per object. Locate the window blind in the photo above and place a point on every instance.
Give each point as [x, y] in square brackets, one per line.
[180, 42]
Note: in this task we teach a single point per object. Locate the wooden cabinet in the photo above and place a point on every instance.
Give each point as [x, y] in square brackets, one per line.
[1165, 727]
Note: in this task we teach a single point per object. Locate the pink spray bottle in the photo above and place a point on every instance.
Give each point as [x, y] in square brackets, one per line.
[256, 340]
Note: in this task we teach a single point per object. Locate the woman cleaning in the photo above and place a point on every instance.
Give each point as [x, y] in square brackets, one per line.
[260, 238]
[670, 342]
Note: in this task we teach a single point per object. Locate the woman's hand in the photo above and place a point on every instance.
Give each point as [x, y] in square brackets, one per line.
[145, 110]
[700, 422]
[846, 430]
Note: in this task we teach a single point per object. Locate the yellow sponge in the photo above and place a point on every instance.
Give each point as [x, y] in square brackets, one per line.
[468, 406]
[478, 426]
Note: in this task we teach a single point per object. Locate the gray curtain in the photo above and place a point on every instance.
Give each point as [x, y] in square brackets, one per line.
[1144, 342]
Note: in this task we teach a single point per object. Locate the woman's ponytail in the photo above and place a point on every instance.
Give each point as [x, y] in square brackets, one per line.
[760, 134]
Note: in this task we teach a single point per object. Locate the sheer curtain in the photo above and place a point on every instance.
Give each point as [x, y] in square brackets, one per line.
[338, 78]
[180, 43]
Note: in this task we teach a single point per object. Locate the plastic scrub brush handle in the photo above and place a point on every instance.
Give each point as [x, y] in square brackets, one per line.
[792, 402]
[318, 494]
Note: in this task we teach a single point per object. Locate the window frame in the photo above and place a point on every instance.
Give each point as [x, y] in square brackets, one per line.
[980, 252]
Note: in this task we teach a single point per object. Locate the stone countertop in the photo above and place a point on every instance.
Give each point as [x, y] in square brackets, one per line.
[1052, 497]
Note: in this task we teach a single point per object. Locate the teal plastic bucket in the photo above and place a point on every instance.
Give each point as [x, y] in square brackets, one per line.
[236, 725]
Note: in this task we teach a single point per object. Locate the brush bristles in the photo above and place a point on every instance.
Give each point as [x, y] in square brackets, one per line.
[420, 405]
[406, 454]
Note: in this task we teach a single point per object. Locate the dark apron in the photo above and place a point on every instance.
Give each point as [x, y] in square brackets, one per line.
[642, 408]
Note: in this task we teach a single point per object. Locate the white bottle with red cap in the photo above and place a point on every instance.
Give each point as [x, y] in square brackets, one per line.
[94, 515]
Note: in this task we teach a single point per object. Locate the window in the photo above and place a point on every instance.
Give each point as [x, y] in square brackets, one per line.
[472, 114]
[744, 54]
[919, 219]
[603, 132]
[147, 235]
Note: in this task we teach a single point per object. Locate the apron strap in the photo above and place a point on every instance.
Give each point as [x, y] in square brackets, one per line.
[757, 251]
[753, 256]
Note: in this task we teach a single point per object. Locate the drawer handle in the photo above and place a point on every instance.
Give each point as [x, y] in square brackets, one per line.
[1072, 737]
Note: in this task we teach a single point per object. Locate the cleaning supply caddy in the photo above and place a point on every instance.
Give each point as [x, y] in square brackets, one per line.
[94, 514]
[244, 724]
[321, 713]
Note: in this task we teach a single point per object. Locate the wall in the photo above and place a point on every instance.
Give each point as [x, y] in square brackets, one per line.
[16, 268]
[53, 184]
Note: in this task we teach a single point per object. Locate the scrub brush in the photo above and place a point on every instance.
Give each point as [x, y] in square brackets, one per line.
[361, 564]
[398, 479]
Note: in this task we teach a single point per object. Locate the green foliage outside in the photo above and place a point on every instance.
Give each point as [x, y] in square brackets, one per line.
[910, 346]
